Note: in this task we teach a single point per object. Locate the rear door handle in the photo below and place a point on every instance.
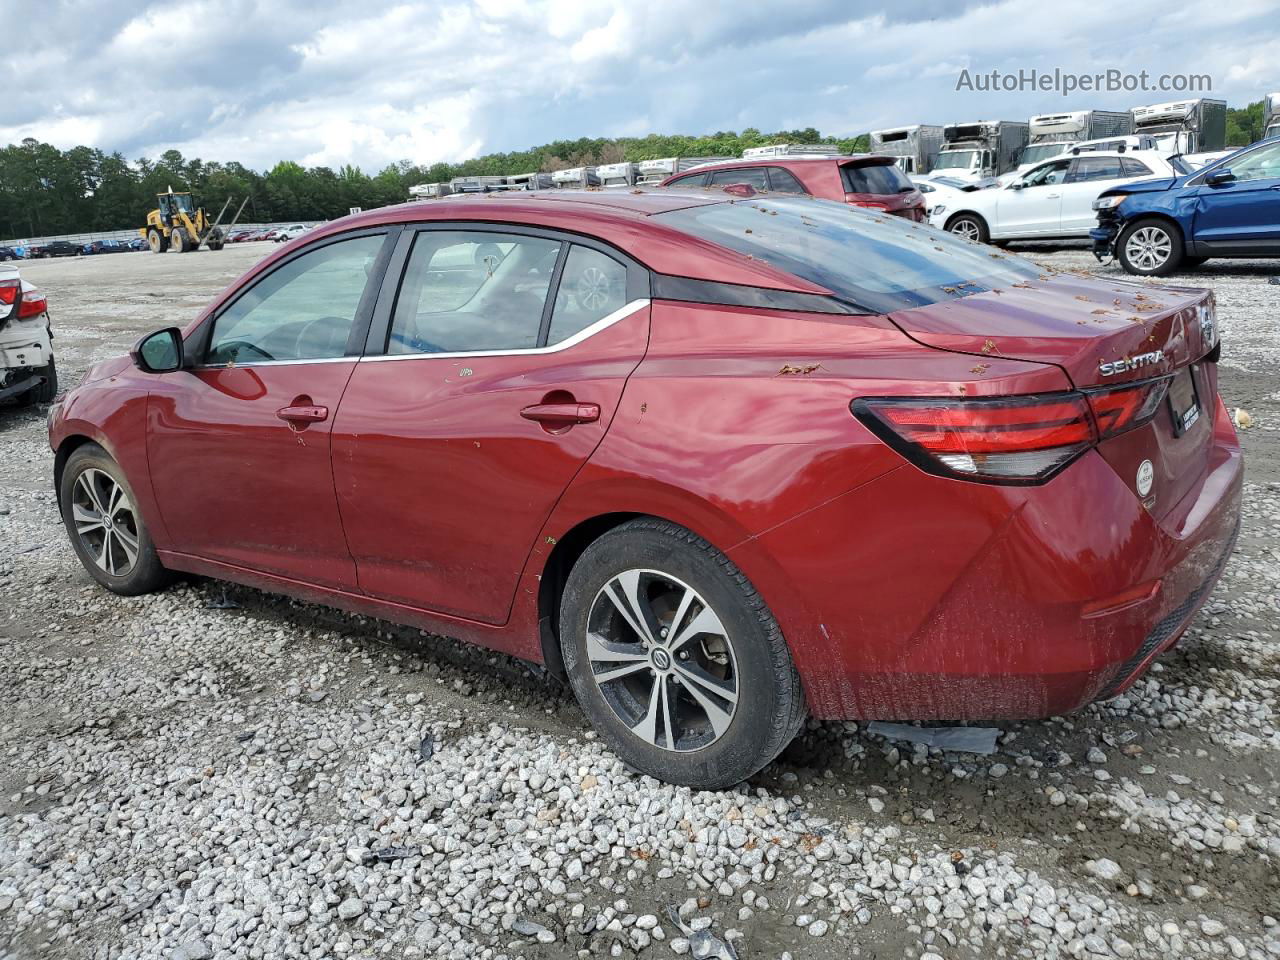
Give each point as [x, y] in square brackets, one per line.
[562, 413]
[303, 413]
[1052, 196]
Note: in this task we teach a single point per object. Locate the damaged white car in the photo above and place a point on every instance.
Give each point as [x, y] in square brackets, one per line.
[27, 372]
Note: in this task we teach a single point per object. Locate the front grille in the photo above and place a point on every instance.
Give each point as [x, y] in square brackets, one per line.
[1168, 624]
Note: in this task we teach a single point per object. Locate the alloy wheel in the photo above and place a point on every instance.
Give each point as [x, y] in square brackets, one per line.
[663, 660]
[1148, 248]
[967, 229]
[595, 289]
[105, 522]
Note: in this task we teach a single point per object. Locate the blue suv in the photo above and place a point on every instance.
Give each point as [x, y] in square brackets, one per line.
[1230, 208]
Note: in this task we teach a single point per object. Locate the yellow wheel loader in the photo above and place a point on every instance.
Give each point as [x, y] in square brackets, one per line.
[178, 223]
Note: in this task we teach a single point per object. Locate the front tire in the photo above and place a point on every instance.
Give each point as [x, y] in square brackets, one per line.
[179, 241]
[1150, 247]
[969, 226]
[675, 658]
[107, 532]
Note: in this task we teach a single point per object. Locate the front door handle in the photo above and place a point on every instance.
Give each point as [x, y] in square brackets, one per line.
[1052, 196]
[562, 414]
[303, 413]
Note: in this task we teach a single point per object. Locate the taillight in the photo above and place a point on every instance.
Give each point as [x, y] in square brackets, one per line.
[1012, 440]
[869, 204]
[9, 293]
[33, 304]
[1117, 409]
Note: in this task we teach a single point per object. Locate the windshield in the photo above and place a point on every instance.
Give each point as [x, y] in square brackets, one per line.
[956, 159]
[1041, 151]
[874, 262]
[874, 178]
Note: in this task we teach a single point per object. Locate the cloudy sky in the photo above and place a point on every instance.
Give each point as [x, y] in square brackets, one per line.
[376, 81]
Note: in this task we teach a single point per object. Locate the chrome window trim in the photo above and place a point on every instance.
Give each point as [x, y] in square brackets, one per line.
[233, 365]
[624, 311]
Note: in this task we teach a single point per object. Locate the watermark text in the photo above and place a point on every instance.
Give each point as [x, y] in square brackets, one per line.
[1067, 83]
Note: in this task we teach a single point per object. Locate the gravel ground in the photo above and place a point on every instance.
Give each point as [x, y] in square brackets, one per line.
[216, 772]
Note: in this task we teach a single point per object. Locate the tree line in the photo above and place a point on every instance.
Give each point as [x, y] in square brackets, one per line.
[45, 191]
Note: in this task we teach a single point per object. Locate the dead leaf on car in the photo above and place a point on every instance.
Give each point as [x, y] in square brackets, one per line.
[795, 370]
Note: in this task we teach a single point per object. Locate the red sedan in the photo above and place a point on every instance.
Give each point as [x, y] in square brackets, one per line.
[864, 180]
[718, 461]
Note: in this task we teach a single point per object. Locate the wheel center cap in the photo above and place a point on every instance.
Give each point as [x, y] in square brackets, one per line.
[106, 523]
[661, 659]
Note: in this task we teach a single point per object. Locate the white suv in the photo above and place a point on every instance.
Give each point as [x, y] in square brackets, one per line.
[291, 233]
[1052, 200]
[27, 371]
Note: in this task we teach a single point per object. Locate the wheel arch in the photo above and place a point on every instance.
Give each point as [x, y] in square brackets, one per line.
[966, 213]
[564, 554]
[69, 445]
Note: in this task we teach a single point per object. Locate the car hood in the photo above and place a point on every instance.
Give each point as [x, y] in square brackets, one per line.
[1069, 320]
[107, 368]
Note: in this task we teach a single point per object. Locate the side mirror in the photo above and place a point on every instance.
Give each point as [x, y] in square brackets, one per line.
[1220, 176]
[1017, 185]
[159, 352]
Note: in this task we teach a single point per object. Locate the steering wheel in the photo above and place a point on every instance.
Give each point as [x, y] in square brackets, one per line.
[235, 348]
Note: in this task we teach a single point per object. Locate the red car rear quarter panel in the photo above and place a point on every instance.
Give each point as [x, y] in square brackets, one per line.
[975, 601]
[738, 420]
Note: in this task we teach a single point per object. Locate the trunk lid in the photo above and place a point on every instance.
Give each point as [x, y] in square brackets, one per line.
[1078, 323]
[1104, 334]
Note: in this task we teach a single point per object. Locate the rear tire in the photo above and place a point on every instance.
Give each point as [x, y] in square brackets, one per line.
[969, 226]
[713, 696]
[117, 552]
[1150, 247]
[157, 241]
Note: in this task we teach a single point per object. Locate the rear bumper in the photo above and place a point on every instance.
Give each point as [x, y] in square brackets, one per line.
[964, 602]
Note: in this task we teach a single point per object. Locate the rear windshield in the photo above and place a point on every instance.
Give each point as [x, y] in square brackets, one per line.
[877, 262]
[875, 178]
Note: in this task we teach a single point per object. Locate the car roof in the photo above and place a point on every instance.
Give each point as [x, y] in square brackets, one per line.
[625, 218]
[786, 160]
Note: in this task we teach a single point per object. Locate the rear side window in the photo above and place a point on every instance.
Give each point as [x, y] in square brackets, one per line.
[303, 310]
[781, 181]
[1096, 168]
[875, 263]
[1134, 168]
[592, 286]
[881, 178]
[469, 291]
[752, 176]
[695, 180]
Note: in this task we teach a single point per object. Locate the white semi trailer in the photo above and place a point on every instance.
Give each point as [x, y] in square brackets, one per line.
[1055, 133]
[914, 148]
[1184, 126]
[1271, 116]
[981, 149]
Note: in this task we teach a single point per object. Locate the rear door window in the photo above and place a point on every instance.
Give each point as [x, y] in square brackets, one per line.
[753, 177]
[1086, 169]
[878, 178]
[693, 180]
[1134, 168]
[592, 286]
[782, 181]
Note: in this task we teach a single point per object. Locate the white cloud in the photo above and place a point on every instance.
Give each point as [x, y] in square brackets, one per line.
[330, 82]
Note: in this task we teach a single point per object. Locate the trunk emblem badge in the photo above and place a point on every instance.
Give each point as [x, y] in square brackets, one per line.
[1125, 364]
[1146, 477]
